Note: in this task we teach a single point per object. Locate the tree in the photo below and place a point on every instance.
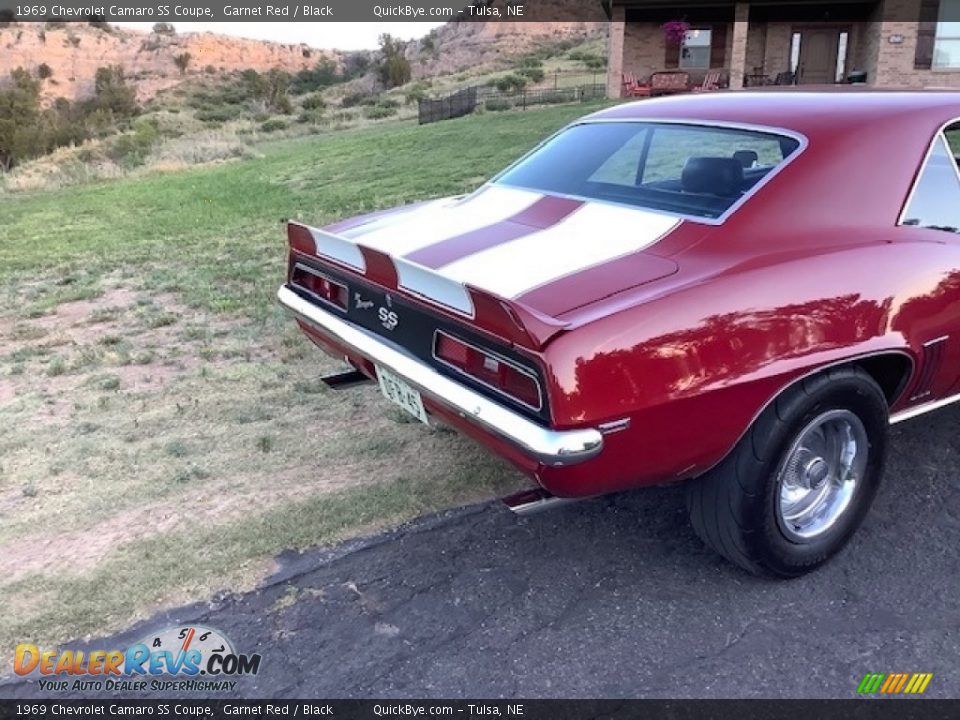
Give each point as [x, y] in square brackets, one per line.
[394, 68]
[44, 71]
[112, 92]
[162, 28]
[19, 119]
[323, 74]
[182, 61]
[270, 89]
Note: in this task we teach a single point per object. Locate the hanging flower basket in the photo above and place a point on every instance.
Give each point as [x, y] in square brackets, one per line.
[675, 31]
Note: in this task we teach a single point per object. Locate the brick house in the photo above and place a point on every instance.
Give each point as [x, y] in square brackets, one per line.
[897, 43]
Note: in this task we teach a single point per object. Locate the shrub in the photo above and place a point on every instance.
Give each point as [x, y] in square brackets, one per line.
[314, 102]
[358, 98]
[378, 112]
[216, 114]
[130, 149]
[388, 103]
[182, 61]
[510, 83]
[534, 74]
[530, 61]
[44, 71]
[322, 75]
[497, 104]
[273, 125]
[55, 25]
[162, 28]
[555, 97]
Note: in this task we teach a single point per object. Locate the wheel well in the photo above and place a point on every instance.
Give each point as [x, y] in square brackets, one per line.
[891, 371]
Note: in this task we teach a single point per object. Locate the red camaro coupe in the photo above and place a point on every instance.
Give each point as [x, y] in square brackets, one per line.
[737, 290]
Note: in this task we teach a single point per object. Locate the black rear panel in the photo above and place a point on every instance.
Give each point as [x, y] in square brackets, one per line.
[395, 319]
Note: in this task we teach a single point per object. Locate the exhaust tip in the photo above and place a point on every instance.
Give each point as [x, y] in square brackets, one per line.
[533, 501]
[339, 381]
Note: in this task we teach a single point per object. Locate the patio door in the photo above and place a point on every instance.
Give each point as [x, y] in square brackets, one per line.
[819, 53]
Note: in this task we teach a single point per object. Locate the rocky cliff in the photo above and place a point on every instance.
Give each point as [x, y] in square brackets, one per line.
[74, 51]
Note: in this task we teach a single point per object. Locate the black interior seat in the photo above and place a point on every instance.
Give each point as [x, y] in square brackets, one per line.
[721, 176]
[747, 158]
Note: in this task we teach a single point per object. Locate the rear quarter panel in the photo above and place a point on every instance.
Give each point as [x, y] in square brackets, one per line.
[693, 368]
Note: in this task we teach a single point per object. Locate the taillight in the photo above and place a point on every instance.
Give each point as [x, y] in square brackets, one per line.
[492, 370]
[320, 285]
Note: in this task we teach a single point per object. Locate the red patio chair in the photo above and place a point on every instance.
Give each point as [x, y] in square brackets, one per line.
[711, 82]
[633, 88]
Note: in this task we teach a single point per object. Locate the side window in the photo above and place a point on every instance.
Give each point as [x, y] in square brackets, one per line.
[953, 140]
[935, 202]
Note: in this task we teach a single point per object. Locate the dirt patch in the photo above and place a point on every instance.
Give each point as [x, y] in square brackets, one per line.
[8, 391]
[79, 551]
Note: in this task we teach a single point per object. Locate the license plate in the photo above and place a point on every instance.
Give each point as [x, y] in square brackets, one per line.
[400, 393]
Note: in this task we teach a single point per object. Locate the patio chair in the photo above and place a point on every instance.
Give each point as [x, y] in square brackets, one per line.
[711, 82]
[633, 87]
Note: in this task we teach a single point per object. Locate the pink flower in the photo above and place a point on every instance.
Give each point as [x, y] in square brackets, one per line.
[675, 31]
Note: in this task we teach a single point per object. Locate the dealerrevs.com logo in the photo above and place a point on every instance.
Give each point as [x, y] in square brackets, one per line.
[184, 658]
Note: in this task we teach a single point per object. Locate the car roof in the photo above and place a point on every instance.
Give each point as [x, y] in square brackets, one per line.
[804, 111]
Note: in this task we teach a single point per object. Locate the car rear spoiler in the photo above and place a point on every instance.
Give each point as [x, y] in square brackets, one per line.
[511, 320]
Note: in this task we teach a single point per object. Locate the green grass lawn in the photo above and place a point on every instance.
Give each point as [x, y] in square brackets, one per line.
[165, 433]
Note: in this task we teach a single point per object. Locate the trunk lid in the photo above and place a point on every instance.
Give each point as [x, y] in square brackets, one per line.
[513, 260]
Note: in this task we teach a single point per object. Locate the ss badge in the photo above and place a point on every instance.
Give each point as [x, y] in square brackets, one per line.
[388, 318]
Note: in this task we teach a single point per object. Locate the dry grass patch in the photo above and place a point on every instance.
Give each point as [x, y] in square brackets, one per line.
[156, 454]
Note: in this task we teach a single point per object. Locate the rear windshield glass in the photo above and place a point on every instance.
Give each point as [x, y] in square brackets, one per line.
[685, 169]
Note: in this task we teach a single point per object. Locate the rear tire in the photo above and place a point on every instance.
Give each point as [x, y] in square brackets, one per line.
[799, 483]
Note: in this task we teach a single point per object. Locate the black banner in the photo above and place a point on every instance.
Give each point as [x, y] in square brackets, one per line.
[862, 709]
[445, 10]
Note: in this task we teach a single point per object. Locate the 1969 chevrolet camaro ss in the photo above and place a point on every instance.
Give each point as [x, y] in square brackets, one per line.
[738, 290]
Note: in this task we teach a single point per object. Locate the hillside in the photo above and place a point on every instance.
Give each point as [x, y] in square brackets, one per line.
[469, 46]
[74, 51]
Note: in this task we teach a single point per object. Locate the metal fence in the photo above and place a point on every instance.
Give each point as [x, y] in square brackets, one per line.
[460, 103]
[557, 88]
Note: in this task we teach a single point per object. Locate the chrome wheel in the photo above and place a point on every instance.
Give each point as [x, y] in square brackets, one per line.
[819, 475]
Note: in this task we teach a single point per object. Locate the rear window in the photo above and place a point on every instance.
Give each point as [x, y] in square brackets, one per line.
[694, 170]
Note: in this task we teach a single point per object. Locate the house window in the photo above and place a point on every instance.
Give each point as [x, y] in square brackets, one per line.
[935, 202]
[695, 49]
[946, 50]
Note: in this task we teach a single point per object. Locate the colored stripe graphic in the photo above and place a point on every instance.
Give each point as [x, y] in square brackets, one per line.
[894, 683]
[542, 214]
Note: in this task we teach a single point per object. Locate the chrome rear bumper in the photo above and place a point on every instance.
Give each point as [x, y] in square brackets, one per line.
[550, 447]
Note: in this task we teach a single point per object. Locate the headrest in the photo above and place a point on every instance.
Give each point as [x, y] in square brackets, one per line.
[747, 158]
[712, 176]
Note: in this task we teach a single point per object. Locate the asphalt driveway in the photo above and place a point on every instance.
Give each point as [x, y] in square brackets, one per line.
[610, 598]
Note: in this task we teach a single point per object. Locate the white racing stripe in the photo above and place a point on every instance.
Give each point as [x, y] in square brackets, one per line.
[393, 216]
[440, 221]
[590, 236]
